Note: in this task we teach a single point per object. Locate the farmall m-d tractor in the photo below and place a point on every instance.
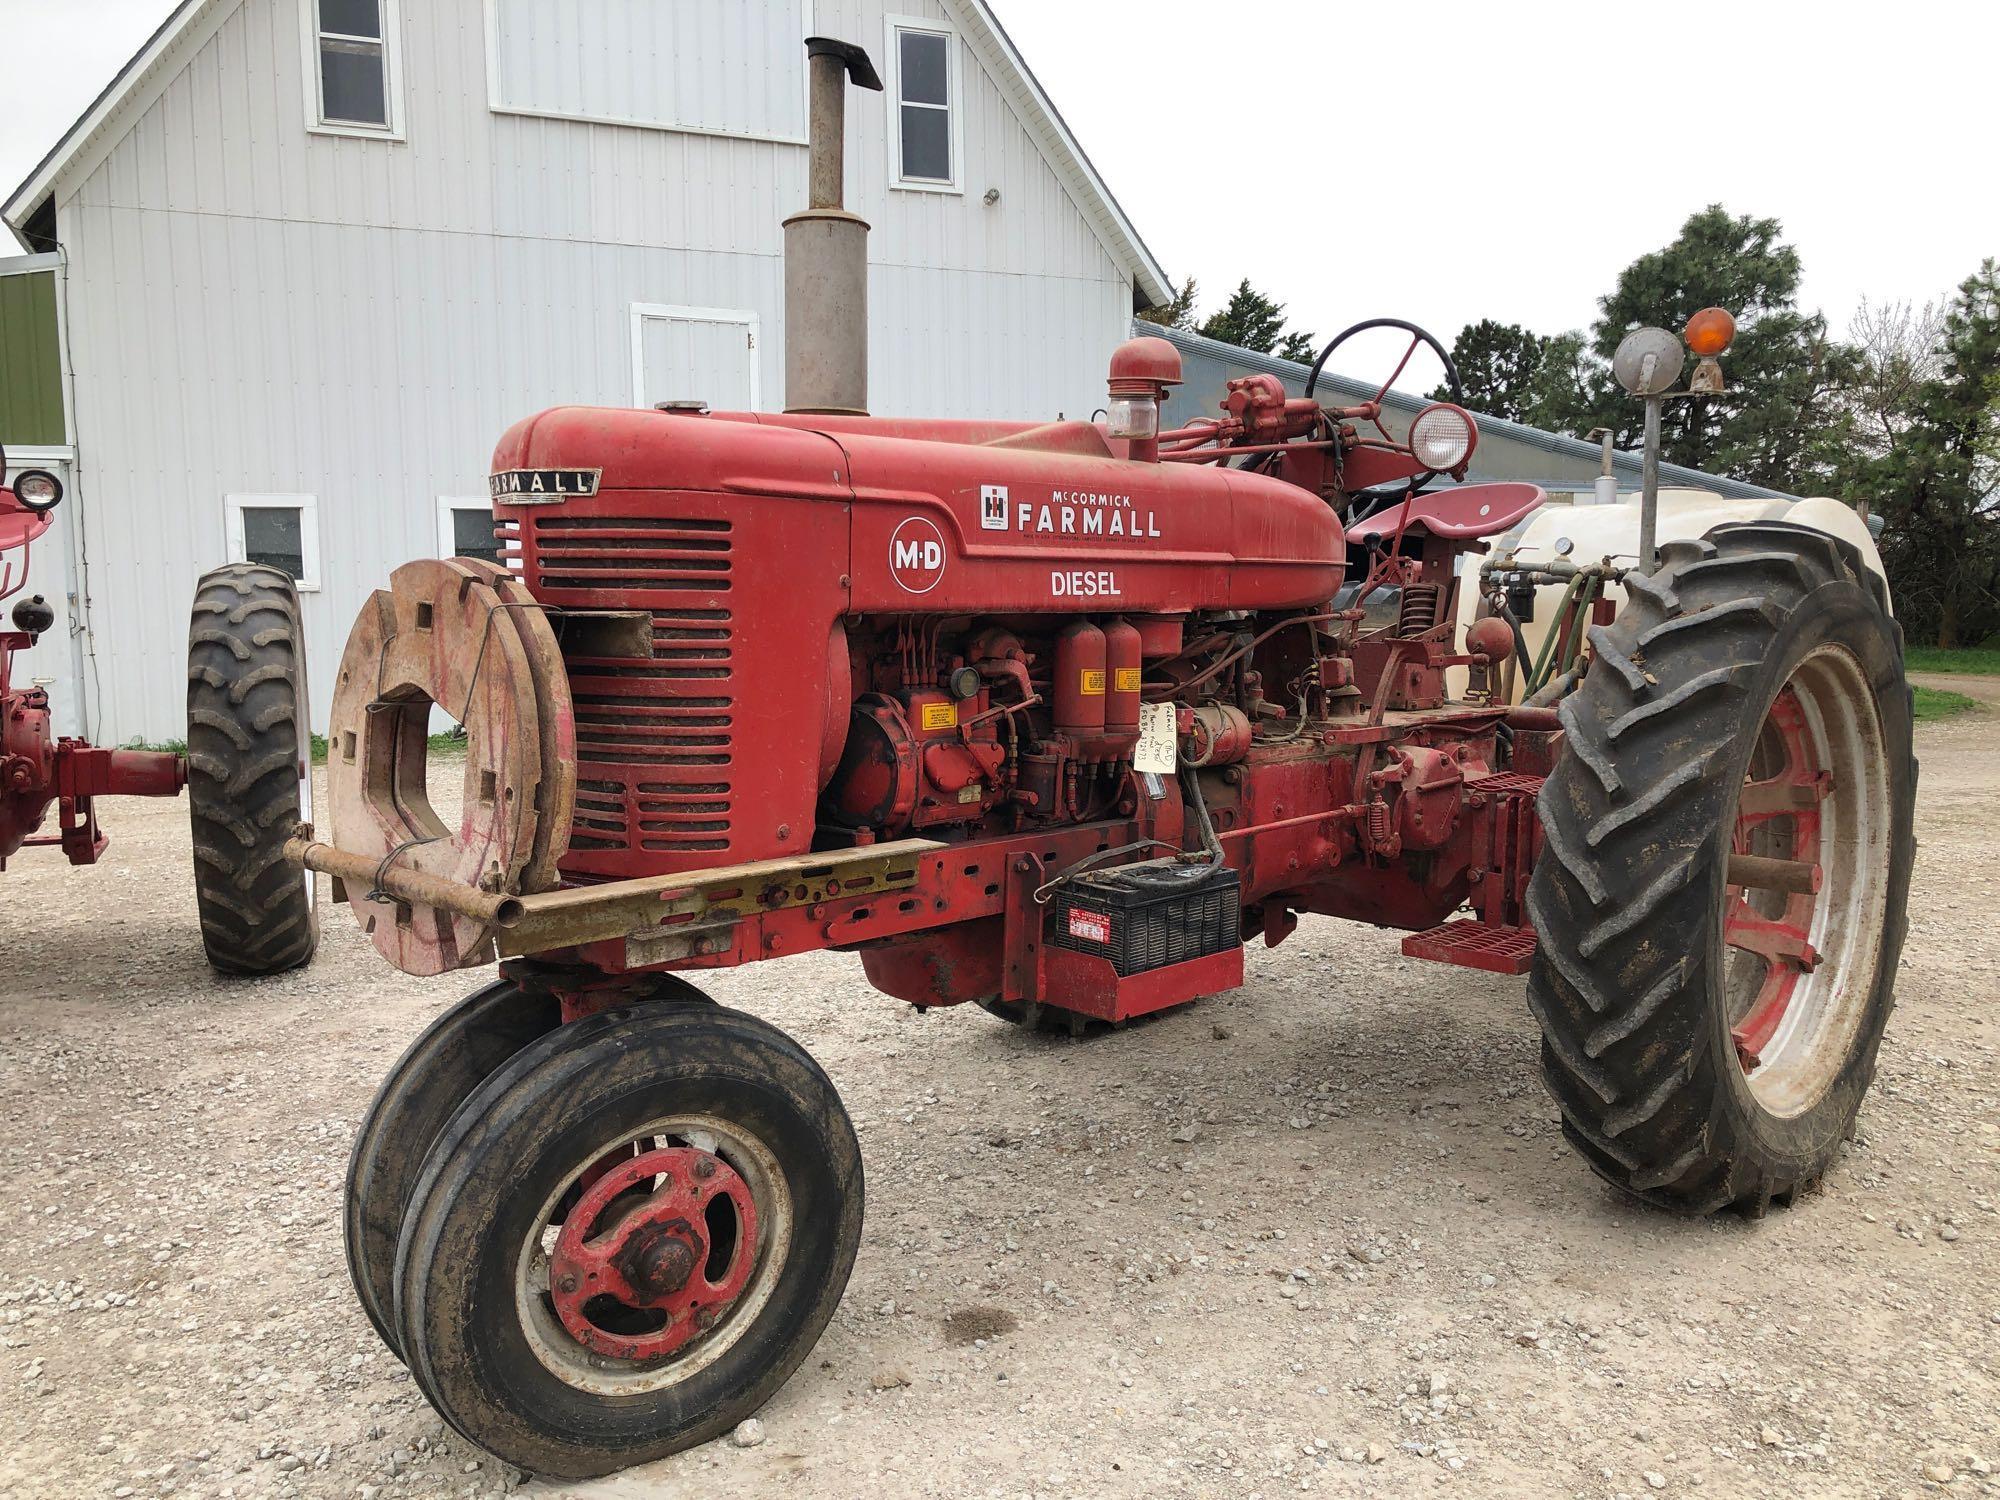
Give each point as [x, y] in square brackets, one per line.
[1051, 719]
[247, 764]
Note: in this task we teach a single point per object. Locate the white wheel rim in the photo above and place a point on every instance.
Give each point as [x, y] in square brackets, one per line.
[601, 1375]
[1824, 724]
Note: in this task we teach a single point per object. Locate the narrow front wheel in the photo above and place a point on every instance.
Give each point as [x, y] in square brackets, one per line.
[628, 1238]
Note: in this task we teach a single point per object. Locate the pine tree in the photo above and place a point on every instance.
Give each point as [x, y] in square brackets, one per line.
[1497, 363]
[1249, 320]
[1298, 346]
[1779, 423]
[1177, 311]
[1935, 474]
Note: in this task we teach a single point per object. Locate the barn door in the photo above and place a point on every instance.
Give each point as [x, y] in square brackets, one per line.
[694, 354]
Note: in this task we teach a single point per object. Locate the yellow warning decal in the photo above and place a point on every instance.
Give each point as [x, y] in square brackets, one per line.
[1128, 679]
[971, 793]
[1093, 683]
[940, 716]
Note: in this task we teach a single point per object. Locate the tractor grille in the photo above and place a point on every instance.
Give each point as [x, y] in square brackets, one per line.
[654, 739]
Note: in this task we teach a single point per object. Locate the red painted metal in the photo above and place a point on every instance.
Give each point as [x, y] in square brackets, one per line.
[1465, 512]
[643, 1236]
[1475, 945]
[1084, 982]
[1790, 796]
[38, 769]
[866, 629]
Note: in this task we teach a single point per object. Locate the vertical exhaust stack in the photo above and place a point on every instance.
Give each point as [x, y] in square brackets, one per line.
[826, 251]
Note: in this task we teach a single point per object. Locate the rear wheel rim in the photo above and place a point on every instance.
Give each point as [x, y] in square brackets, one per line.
[1801, 964]
[606, 1351]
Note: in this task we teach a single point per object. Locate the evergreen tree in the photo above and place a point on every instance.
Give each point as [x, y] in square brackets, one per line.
[1249, 320]
[1780, 421]
[1497, 362]
[1298, 346]
[1177, 311]
[1563, 393]
[1934, 472]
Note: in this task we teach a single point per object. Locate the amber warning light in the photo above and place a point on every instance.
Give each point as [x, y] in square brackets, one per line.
[1710, 332]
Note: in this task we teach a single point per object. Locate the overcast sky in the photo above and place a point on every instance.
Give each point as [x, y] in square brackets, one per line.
[1444, 162]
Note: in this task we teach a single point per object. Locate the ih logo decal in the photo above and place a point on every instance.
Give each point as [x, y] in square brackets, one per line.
[993, 507]
[916, 555]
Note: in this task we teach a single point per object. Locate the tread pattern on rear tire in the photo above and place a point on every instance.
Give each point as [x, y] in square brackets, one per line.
[247, 741]
[1622, 900]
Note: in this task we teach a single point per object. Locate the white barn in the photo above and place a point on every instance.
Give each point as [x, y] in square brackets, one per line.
[309, 258]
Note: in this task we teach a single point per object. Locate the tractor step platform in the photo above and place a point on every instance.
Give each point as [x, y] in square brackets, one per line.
[1474, 945]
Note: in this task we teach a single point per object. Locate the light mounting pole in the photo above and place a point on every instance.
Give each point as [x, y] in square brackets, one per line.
[1647, 363]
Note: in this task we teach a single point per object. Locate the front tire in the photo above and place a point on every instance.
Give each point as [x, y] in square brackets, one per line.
[628, 1237]
[437, 1073]
[1720, 902]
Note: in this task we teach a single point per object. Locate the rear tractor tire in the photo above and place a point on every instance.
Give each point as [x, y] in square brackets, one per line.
[628, 1237]
[1720, 902]
[249, 770]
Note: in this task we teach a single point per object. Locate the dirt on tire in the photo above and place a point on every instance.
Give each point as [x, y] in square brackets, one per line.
[1630, 983]
[247, 745]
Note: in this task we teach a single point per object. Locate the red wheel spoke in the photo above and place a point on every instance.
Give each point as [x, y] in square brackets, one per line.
[1778, 940]
[1754, 1032]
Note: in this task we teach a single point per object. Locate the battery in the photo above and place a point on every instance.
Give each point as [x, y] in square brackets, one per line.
[1147, 916]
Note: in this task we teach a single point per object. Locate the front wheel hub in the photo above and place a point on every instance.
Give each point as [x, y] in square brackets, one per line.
[653, 1253]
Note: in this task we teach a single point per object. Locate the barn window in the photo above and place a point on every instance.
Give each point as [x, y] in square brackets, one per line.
[351, 60]
[924, 139]
[465, 529]
[280, 531]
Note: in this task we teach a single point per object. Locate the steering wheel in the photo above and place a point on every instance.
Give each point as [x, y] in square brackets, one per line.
[1417, 336]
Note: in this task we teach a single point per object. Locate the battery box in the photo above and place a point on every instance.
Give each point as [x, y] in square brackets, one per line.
[1149, 916]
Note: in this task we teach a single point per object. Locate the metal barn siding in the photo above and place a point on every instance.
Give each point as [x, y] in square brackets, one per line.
[258, 309]
[31, 400]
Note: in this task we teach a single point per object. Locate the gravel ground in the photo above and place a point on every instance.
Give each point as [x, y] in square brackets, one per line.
[1319, 1235]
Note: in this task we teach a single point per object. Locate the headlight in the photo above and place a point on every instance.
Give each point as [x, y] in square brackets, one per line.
[1441, 438]
[38, 489]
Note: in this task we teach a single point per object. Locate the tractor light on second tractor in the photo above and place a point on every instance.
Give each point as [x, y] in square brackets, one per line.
[37, 489]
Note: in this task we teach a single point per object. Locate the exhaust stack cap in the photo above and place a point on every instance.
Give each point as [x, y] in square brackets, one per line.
[826, 250]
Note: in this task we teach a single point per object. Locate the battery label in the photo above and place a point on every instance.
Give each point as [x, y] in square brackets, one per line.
[1127, 679]
[1095, 926]
[1093, 683]
[940, 716]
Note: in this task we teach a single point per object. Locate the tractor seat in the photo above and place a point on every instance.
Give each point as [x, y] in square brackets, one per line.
[19, 526]
[1461, 513]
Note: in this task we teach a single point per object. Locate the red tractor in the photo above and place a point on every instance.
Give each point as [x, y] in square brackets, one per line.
[246, 767]
[1051, 719]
